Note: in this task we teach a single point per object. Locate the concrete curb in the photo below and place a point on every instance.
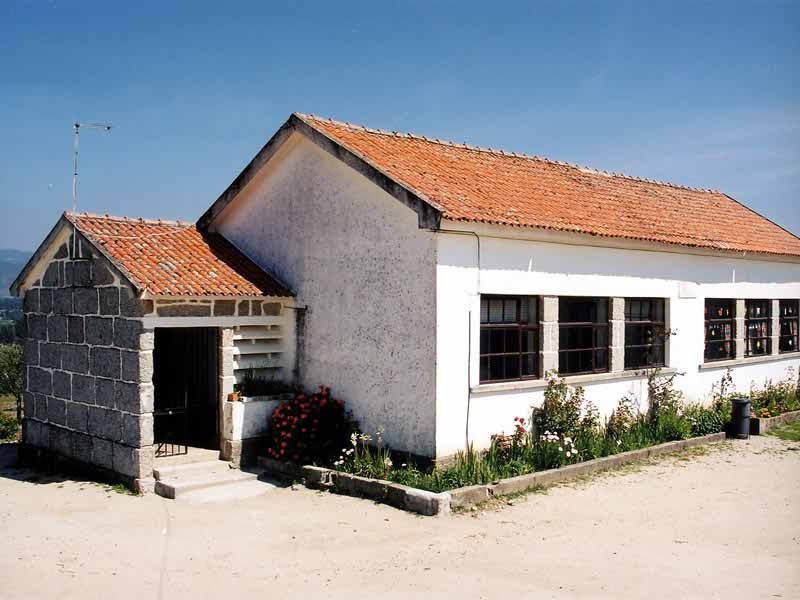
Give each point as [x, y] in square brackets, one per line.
[476, 494]
[759, 426]
[430, 503]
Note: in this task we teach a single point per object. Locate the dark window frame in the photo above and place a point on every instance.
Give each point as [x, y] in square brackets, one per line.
[754, 318]
[786, 318]
[658, 332]
[521, 327]
[595, 326]
[720, 321]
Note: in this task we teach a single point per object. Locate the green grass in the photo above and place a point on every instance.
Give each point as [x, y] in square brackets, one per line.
[790, 432]
[8, 419]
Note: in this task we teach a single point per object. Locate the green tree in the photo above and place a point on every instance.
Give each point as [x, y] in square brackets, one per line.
[11, 373]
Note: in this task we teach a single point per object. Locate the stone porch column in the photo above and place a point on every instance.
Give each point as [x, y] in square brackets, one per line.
[617, 330]
[548, 326]
[226, 383]
[739, 332]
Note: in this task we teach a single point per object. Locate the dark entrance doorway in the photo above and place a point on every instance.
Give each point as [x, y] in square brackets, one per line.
[186, 382]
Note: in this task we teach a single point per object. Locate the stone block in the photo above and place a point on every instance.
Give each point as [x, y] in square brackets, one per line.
[62, 252]
[75, 332]
[32, 433]
[105, 423]
[131, 306]
[99, 331]
[40, 407]
[105, 362]
[130, 365]
[75, 358]
[52, 276]
[147, 340]
[126, 397]
[62, 301]
[85, 301]
[21, 327]
[102, 452]
[28, 399]
[40, 381]
[83, 447]
[30, 353]
[57, 328]
[83, 389]
[126, 460]
[78, 416]
[224, 308]
[271, 309]
[126, 333]
[46, 301]
[82, 273]
[62, 385]
[137, 430]
[109, 301]
[66, 274]
[37, 326]
[226, 337]
[30, 303]
[101, 273]
[56, 411]
[62, 441]
[104, 392]
[146, 397]
[184, 310]
[50, 355]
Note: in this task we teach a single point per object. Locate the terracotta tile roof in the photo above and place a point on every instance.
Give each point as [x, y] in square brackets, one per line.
[491, 186]
[174, 259]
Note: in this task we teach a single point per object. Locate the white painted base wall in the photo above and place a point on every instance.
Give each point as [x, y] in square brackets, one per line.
[532, 267]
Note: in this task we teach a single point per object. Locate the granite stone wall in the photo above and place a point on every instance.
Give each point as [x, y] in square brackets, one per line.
[88, 367]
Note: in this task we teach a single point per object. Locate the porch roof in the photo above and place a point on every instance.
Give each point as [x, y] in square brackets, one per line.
[169, 258]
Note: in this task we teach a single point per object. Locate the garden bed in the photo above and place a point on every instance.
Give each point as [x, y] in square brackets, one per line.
[428, 503]
[760, 425]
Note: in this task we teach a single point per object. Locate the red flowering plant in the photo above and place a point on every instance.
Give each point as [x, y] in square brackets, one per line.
[310, 428]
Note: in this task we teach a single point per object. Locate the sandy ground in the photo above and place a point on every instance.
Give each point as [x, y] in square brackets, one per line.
[719, 523]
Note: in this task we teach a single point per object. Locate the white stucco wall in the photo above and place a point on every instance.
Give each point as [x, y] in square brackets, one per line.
[520, 266]
[356, 257]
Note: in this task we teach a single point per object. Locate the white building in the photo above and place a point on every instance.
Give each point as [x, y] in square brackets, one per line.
[435, 284]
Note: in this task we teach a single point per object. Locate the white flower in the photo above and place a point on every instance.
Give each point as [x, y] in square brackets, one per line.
[404, 465]
[560, 449]
[619, 442]
[349, 452]
[567, 440]
[353, 439]
[387, 461]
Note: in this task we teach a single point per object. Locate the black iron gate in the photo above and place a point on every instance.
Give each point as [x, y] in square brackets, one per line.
[186, 410]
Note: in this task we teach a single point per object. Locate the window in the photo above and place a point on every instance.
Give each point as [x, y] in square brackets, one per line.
[788, 313]
[509, 338]
[644, 332]
[720, 319]
[757, 327]
[583, 335]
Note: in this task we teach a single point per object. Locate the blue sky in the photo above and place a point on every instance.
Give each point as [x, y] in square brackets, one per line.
[698, 93]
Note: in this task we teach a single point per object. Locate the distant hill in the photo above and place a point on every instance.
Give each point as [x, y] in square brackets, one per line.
[11, 263]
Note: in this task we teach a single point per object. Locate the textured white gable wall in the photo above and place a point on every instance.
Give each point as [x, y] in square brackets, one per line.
[536, 268]
[356, 257]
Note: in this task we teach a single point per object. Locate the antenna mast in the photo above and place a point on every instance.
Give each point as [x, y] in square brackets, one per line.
[77, 128]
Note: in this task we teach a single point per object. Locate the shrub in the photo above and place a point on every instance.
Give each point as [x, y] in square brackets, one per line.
[8, 427]
[310, 428]
[253, 385]
[561, 410]
[776, 398]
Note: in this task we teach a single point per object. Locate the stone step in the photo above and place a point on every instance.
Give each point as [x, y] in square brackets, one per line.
[192, 480]
[161, 472]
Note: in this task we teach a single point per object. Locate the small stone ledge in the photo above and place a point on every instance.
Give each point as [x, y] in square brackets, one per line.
[748, 360]
[759, 426]
[394, 494]
[540, 384]
[476, 494]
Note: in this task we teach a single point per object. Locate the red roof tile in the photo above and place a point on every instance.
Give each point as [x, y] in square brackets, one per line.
[175, 259]
[491, 186]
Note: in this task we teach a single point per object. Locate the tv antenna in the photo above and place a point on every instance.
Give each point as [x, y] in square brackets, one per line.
[77, 128]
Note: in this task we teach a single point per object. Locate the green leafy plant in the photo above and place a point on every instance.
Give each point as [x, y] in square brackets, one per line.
[310, 428]
[255, 385]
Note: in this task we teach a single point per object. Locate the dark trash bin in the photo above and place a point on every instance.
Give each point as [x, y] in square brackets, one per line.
[740, 417]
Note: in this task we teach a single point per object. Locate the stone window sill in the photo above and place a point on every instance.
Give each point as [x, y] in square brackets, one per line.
[540, 384]
[749, 360]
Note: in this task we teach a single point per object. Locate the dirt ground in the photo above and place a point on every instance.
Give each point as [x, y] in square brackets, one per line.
[713, 523]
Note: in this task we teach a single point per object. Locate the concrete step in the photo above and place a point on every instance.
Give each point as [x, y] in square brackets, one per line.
[192, 480]
[161, 472]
